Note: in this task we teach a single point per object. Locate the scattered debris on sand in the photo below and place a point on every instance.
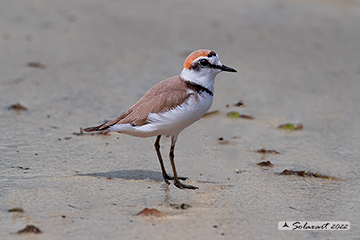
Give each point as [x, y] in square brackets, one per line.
[17, 107]
[265, 164]
[306, 174]
[212, 113]
[151, 212]
[29, 229]
[180, 206]
[265, 151]
[239, 104]
[222, 141]
[238, 115]
[16, 209]
[291, 126]
[36, 65]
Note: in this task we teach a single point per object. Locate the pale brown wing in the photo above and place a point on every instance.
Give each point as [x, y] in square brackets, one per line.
[160, 98]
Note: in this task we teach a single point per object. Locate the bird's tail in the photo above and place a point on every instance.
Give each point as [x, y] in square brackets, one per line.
[96, 128]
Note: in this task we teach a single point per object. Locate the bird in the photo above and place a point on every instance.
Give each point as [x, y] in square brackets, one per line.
[170, 106]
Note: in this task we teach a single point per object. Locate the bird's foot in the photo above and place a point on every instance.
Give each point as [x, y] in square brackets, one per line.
[167, 178]
[184, 186]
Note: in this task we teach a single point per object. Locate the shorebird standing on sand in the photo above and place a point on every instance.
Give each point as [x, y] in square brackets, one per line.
[171, 105]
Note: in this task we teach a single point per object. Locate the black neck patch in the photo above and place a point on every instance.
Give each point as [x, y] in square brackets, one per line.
[198, 88]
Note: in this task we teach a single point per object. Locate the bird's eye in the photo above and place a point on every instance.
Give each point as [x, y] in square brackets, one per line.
[204, 62]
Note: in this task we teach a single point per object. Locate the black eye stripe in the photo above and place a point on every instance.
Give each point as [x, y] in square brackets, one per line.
[204, 63]
[214, 66]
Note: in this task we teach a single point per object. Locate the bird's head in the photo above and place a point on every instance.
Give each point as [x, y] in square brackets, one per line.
[203, 64]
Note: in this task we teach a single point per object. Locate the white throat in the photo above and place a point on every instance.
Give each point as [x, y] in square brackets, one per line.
[203, 78]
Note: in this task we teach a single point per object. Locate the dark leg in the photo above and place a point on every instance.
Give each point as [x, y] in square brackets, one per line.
[177, 183]
[166, 177]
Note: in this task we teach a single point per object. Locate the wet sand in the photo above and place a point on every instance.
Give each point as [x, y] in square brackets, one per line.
[76, 64]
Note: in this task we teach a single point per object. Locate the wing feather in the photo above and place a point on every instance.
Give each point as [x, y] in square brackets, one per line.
[162, 97]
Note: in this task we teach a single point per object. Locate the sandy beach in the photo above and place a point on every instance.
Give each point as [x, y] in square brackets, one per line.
[72, 64]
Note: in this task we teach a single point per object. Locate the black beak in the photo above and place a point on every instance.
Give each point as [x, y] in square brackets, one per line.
[227, 69]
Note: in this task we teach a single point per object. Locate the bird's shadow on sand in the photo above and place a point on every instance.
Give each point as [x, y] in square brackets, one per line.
[134, 174]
